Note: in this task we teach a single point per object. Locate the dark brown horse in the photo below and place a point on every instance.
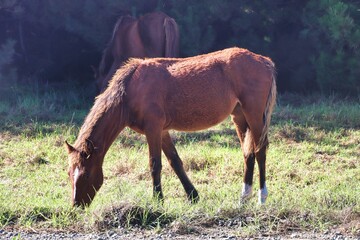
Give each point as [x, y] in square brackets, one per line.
[153, 96]
[152, 35]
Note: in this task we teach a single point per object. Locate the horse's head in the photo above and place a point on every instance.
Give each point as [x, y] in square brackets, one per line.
[85, 173]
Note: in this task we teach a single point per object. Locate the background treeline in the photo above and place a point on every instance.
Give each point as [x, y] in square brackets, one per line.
[314, 43]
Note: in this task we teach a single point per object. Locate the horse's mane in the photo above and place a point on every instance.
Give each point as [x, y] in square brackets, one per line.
[110, 99]
[117, 85]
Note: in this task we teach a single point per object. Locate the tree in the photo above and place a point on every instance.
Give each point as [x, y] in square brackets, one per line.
[314, 43]
[336, 34]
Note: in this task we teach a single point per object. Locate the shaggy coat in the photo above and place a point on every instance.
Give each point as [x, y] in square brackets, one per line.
[153, 96]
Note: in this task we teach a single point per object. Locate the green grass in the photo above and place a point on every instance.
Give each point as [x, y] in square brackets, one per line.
[313, 172]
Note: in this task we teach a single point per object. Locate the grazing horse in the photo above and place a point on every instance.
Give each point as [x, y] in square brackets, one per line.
[153, 96]
[152, 35]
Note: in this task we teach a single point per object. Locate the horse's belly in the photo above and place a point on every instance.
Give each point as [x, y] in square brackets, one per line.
[200, 118]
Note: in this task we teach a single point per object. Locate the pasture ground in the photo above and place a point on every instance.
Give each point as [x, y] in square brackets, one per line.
[313, 173]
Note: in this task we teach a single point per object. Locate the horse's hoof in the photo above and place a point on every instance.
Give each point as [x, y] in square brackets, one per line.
[246, 193]
[193, 196]
[158, 196]
[263, 193]
[244, 199]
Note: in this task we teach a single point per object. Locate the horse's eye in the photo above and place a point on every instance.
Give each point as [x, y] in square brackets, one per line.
[83, 155]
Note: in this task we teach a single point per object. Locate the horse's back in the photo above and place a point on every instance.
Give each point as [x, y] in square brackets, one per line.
[232, 68]
[199, 92]
[195, 93]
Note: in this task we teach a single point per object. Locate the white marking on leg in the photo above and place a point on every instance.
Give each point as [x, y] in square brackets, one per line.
[246, 192]
[263, 193]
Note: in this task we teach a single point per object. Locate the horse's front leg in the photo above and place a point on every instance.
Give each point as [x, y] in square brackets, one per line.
[153, 137]
[177, 165]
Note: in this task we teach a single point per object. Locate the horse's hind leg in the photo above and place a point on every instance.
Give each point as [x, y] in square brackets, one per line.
[245, 138]
[177, 165]
[256, 125]
[261, 160]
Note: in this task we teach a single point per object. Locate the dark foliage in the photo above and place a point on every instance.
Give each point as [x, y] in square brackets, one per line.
[314, 43]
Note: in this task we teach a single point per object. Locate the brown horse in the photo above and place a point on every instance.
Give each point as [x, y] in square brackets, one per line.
[153, 96]
[152, 35]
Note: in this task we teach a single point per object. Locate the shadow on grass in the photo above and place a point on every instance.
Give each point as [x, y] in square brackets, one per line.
[40, 110]
[34, 109]
[37, 216]
[136, 217]
[321, 112]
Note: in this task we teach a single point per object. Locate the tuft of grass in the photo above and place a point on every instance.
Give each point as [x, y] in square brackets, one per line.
[132, 215]
[312, 170]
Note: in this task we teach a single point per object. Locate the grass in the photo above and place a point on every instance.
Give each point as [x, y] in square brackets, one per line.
[312, 170]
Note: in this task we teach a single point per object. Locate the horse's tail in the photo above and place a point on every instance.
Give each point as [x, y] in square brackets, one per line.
[270, 103]
[171, 38]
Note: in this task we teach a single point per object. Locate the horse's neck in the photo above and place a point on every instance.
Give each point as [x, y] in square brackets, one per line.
[103, 128]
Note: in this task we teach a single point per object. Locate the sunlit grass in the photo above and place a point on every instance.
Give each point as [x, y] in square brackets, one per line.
[312, 170]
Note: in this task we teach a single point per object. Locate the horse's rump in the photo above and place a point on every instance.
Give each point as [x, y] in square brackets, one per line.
[152, 35]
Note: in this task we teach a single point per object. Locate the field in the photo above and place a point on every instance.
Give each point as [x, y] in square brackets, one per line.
[313, 172]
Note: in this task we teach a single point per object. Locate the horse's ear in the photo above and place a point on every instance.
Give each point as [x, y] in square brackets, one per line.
[89, 147]
[69, 148]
